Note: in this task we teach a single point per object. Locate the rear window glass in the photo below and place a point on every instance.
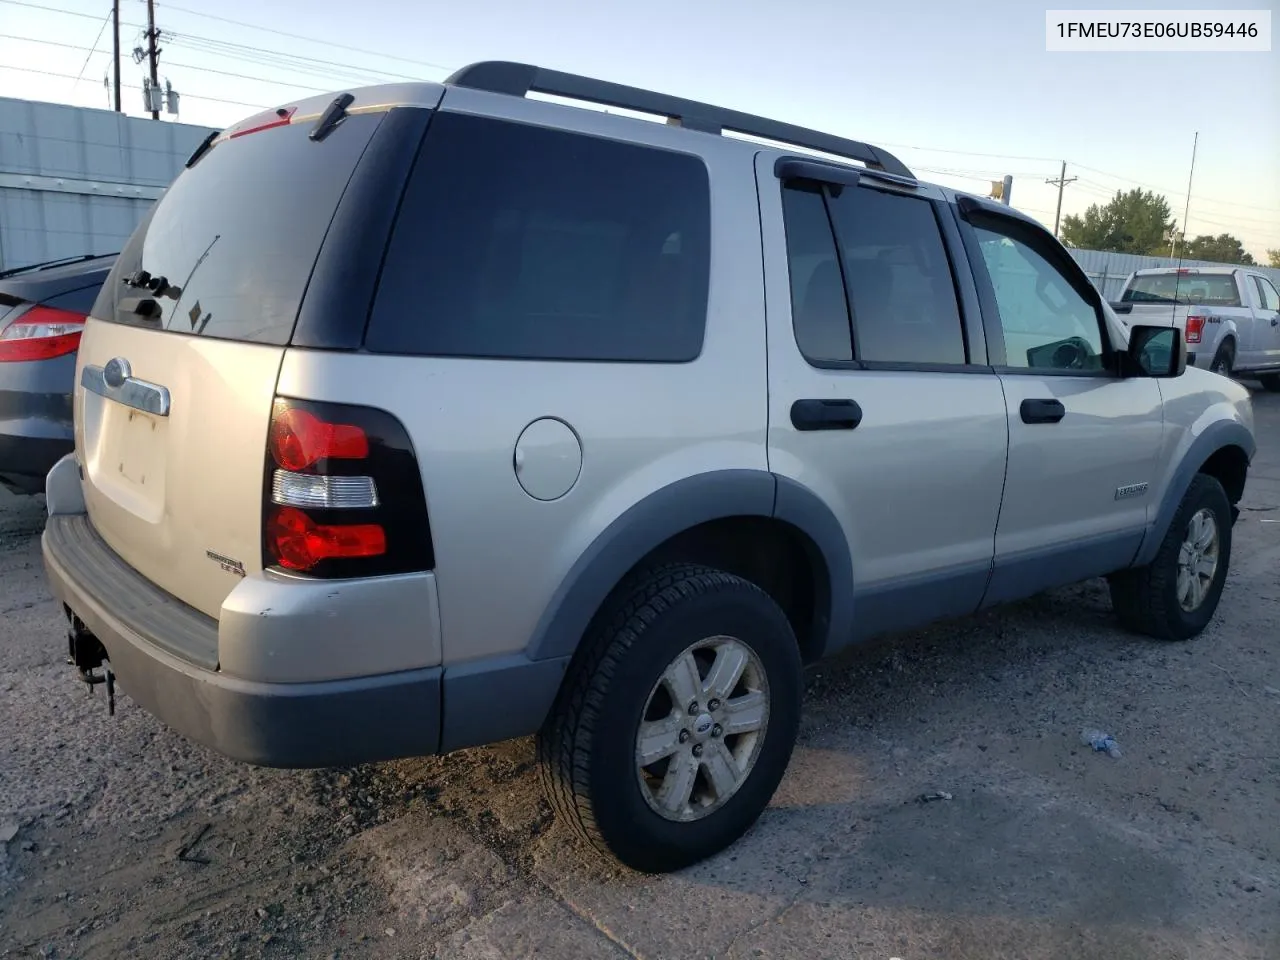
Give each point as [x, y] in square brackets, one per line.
[1202, 288]
[517, 241]
[236, 235]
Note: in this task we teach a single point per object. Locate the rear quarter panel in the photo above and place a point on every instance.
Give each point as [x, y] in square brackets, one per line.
[501, 555]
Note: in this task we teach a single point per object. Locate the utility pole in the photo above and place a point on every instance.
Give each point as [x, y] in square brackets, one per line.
[1186, 211]
[152, 56]
[115, 52]
[1061, 182]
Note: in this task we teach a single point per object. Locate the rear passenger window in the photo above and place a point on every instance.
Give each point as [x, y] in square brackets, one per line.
[819, 311]
[891, 273]
[1267, 295]
[518, 241]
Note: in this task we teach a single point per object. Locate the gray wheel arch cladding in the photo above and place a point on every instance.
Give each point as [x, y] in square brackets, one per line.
[1217, 436]
[681, 506]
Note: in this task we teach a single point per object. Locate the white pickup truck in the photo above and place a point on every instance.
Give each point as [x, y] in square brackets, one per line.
[1230, 316]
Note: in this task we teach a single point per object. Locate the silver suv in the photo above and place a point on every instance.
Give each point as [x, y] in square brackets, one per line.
[436, 415]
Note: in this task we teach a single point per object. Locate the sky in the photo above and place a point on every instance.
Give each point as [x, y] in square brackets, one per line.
[963, 92]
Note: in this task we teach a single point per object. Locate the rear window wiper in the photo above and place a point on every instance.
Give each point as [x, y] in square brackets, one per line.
[332, 114]
[160, 286]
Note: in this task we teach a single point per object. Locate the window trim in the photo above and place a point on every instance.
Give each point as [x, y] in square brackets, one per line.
[1258, 281]
[972, 336]
[1047, 246]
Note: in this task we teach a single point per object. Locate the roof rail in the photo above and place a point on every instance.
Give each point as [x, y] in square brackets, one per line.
[519, 79]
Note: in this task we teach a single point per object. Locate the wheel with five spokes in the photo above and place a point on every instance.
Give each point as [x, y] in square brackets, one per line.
[677, 720]
[1175, 596]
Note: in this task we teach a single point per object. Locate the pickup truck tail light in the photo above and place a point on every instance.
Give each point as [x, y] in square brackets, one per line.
[1195, 329]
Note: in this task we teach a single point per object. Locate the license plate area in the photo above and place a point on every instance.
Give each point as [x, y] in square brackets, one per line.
[138, 448]
[129, 458]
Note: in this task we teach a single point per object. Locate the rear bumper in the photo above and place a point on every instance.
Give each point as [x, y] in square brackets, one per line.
[157, 648]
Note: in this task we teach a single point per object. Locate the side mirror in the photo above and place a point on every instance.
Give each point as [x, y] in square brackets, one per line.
[1156, 352]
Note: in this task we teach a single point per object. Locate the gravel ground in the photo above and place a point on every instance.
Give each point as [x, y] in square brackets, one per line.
[120, 839]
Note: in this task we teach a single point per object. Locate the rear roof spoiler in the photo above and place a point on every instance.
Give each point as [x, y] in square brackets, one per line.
[521, 79]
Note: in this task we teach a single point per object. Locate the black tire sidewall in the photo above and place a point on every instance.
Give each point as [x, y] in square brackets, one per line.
[1226, 352]
[1204, 492]
[637, 835]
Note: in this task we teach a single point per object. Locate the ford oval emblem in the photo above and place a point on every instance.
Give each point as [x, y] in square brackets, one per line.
[116, 372]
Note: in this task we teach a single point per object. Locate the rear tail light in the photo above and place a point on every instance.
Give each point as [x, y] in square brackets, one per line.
[343, 493]
[300, 543]
[300, 438]
[41, 333]
[1195, 328]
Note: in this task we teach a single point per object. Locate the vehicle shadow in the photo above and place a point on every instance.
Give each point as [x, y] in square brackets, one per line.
[1026, 835]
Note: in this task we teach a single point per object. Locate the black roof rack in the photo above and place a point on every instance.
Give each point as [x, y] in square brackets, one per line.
[519, 79]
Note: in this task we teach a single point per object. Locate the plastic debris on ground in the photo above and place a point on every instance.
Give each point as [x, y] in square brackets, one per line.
[1100, 742]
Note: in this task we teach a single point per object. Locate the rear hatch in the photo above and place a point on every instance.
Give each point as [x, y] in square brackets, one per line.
[178, 363]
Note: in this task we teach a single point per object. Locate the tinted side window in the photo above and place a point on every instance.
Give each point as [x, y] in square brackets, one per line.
[1047, 324]
[1267, 294]
[525, 242]
[819, 312]
[898, 278]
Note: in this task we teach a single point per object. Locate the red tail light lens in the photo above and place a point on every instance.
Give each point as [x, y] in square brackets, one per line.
[342, 493]
[41, 333]
[299, 439]
[299, 543]
[1195, 328]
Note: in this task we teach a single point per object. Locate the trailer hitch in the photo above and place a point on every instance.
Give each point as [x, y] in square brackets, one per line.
[86, 653]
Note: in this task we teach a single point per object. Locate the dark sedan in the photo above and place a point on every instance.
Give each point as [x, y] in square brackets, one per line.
[42, 312]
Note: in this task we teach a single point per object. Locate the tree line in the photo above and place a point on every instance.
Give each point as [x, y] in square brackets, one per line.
[1140, 221]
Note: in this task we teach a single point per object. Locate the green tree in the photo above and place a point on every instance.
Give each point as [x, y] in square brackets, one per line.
[1137, 221]
[1224, 248]
[1274, 257]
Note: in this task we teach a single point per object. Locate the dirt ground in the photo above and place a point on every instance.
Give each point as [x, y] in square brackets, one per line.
[120, 839]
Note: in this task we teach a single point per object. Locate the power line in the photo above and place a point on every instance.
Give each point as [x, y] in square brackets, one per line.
[1096, 189]
[51, 43]
[172, 63]
[93, 49]
[40, 6]
[296, 62]
[1151, 186]
[326, 70]
[245, 76]
[967, 153]
[293, 62]
[382, 55]
[193, 96]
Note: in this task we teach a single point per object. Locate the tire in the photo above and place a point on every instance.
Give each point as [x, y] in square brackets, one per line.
[588, 746]
[1224, 360]
[1270, 381]
[1147, 599]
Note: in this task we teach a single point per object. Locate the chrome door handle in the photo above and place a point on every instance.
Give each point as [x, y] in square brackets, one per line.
[116, 381]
